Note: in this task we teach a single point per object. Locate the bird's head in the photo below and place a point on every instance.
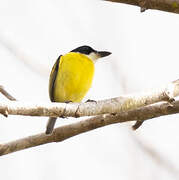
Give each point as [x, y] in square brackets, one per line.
[91, 53]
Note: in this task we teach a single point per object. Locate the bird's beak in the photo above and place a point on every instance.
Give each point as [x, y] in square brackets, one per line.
[103, 53]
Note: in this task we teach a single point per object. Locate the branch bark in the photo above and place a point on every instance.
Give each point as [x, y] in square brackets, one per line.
[163, 5]
[114, 105]
[67, 131]
[124, 106]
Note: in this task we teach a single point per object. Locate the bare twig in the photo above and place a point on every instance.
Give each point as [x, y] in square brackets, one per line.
[167, 5]
[137, 125]
[6, 94]
[67, 131]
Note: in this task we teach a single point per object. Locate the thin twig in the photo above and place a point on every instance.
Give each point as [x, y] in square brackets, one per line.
[6, 94]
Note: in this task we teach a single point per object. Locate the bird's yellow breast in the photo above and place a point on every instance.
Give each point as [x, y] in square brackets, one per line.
[74, 77]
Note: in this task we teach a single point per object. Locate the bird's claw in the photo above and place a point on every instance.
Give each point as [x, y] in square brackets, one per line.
[90, 100]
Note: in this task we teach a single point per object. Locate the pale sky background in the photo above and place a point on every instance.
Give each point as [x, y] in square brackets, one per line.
[145, 56]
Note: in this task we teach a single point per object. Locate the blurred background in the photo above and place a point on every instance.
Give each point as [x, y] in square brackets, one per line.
[144, 50]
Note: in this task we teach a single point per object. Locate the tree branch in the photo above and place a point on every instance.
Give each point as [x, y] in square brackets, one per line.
[163, 5]
[67, 131]
[114, 105]
[124, 106]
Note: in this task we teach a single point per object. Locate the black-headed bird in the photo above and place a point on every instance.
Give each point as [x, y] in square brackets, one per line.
[71, 77]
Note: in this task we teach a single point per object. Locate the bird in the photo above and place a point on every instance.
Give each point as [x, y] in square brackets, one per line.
[71, 77]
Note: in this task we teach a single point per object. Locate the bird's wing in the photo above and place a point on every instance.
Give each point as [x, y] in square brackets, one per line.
[52, 79]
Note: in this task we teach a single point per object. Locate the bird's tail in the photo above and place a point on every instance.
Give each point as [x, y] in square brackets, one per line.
[50, 125]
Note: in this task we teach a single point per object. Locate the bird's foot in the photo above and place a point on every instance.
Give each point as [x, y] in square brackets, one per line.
[90, 100]
[68, 102]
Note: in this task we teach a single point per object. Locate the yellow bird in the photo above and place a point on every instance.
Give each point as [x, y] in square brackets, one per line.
[71, 77]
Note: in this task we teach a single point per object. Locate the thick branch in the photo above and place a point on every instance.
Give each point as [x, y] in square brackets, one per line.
[67, 131]
[114, 105]
[163, 5]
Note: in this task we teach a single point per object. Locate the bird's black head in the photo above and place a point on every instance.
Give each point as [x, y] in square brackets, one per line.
[91, 53]
[84, 50]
